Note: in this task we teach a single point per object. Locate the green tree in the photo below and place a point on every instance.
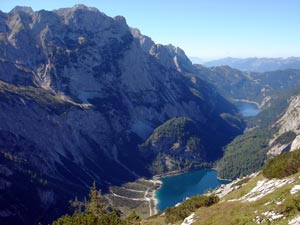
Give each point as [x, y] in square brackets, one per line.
[133, 218]
[96, 205]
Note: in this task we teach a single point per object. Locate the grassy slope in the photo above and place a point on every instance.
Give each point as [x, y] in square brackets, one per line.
[238, 212]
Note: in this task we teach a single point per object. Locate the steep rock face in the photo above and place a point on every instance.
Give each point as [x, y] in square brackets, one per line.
[291, 118]
[288, 125]
[78, 94]
[168, 55]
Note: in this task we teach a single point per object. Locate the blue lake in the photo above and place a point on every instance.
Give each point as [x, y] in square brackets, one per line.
[246, 108]
[176, 188]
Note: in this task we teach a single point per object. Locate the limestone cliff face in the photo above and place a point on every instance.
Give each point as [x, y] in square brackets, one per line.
[287, 137]
[168, 55]
[290, 121]
[78, 93]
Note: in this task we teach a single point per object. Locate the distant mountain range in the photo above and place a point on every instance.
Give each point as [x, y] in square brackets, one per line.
[256, 64]
[253, 86]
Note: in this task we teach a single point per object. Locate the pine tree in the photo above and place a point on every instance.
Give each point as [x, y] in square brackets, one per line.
[95, 205]
[133, 218]
[77, 205]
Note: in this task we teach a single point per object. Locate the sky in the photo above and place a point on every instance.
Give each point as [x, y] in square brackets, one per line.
[207, 29]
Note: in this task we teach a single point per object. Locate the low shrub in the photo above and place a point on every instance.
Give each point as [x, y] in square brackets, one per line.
[282, 165]
[180, 212]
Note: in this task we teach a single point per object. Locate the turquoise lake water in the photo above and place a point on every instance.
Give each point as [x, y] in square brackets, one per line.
[176, 188]
[247, 109]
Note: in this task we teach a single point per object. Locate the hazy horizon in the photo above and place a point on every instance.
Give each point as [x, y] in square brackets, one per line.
[246, 57]
[207, 29]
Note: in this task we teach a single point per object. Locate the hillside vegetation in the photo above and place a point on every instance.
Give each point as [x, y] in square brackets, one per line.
[282, 165]
[95, 211]
[175, 145]
[183, 210]
[245, 154]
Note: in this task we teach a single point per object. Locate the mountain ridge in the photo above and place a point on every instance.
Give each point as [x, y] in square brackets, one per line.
[78, 94]
[255, 64]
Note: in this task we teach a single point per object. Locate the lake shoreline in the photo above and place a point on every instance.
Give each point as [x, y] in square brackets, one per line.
[152, 199]
[156, 178]
[182, 172]
[219, 178]
[247, 101]
[179, 172]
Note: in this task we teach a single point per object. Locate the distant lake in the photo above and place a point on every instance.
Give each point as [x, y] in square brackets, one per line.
[246, 108]
[176, 188]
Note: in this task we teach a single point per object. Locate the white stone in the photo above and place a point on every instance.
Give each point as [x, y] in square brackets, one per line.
[264, 187]
[295, 221]
[188, 220]
[295, 143]
[271, 215]
[295, 189]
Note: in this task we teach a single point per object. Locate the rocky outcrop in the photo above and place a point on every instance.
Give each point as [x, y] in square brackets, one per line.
[291, 118]
[296, 143]
[288, 126]
[168, 55]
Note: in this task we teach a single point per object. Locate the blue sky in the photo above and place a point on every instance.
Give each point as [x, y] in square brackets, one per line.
[204, 28]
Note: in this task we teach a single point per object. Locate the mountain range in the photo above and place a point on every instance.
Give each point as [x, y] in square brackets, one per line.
[256, 64]
[86, 98]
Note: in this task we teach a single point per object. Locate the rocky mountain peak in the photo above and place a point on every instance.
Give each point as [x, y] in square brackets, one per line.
[88, 18]
[168, 55]
[25, 9]
[75, 8]
[84, 7]
[145, 41]
[120, 19]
